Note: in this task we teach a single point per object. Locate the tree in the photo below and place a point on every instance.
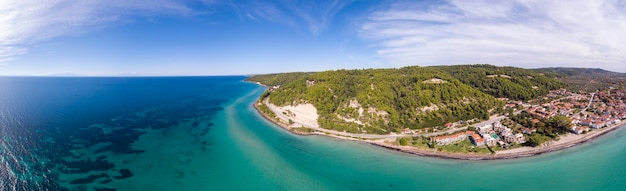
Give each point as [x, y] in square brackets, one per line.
[537, 139]
[561, 123]
[403, 141]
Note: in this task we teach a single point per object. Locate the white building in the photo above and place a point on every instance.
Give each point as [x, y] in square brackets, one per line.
[485, 129]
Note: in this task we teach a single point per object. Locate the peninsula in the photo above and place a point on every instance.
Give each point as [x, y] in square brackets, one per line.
[472, 112]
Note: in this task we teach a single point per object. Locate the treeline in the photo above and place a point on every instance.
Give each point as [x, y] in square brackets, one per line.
[588, 79]
[277, 79]
[505, 82]
[383, 100]
[579, 71]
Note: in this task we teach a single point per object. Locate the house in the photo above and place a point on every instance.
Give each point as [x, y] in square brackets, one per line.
[535, 121]
[477, 140]
[528, 131]
[499, 128]
[497, 124]
[515, 138]
[598, 125]
[580, 129]
[490, 140]
[485, 129]
[502, 144]
[449, 139]
[506, 132]
[586, 122]
[407, 131]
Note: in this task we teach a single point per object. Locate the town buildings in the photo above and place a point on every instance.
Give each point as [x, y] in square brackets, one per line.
[584, 111]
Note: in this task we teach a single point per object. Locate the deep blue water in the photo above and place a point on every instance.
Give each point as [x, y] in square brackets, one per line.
[45, 121]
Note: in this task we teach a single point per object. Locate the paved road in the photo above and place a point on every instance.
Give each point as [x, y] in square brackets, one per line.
[316, 127]
[590, 101]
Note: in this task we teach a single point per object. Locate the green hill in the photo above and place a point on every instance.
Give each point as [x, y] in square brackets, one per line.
[386, 100]
[505, 82]
[383, 100]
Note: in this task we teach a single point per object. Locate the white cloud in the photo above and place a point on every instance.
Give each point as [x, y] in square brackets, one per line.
[26, 24]
[7, 53]
[23, 22]
[315, 16]
[318, 16]
[525, 33]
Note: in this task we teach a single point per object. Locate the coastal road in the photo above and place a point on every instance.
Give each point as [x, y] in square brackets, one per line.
[316, 127]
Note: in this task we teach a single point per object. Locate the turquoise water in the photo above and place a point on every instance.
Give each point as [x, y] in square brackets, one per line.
[207, 136]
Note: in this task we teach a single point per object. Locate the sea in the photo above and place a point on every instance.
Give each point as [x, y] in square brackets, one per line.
[202, 133]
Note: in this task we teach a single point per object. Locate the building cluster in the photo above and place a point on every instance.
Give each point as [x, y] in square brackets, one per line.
[498, 134]
[604, 112]
[488, 135]
[598, 110]
[605, 109]
[563, 106]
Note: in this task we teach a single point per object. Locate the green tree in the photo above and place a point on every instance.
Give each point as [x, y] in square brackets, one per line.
[561, 123]
[537, 139]
[403, 141]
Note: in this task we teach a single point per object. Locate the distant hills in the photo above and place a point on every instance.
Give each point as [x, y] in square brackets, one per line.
[587, 79]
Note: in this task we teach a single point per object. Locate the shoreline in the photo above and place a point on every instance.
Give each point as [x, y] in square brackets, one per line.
[278, 122]
[521, 152]
[564, 142]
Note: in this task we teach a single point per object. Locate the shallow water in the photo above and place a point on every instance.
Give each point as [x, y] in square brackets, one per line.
[201, 133]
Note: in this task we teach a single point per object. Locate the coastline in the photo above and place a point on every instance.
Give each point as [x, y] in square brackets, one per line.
[278, 122]
[565, 142]
[521, 152]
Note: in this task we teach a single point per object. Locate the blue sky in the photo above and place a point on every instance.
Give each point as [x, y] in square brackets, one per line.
[215, 37]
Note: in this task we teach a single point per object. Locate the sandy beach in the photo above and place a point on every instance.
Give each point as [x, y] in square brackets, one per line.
[564, 142]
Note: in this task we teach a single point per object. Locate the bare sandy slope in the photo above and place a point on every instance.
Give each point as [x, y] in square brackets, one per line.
[301, 114]
[305, 114]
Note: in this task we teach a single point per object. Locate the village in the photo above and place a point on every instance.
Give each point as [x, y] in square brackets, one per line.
[585, 113]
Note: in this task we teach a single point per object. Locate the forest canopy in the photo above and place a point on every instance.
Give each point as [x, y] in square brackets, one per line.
[388, 100]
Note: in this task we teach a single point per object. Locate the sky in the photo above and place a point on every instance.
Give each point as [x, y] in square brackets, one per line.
[222, 37]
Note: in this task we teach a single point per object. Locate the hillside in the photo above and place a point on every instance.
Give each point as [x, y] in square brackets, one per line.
[381, 100]
[505, 82]
[588, 79]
